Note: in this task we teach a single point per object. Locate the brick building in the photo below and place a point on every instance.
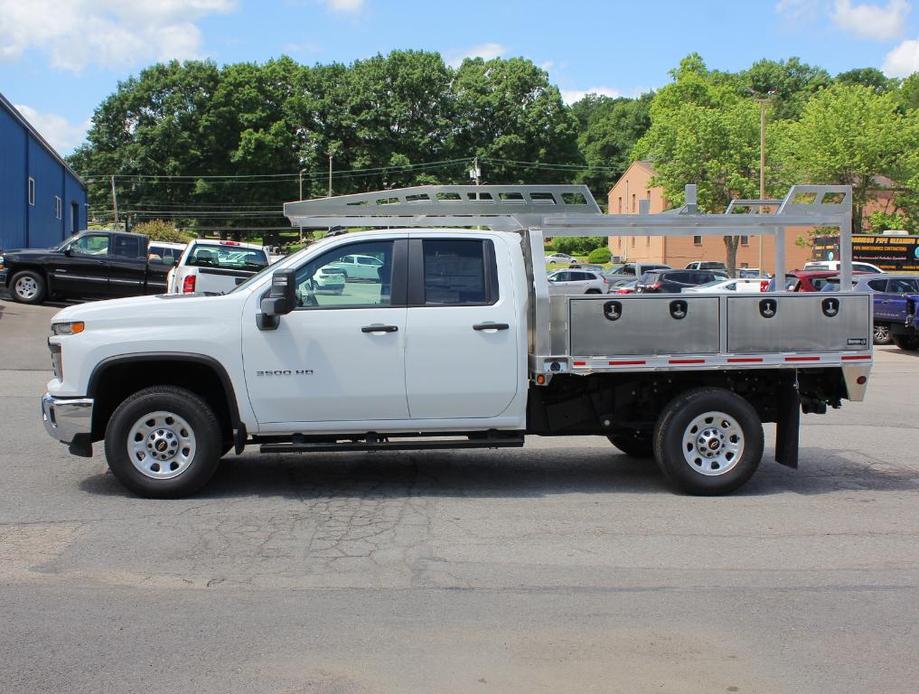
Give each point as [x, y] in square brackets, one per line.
[677, 251]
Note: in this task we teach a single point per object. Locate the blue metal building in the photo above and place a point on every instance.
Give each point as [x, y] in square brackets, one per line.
[42, 201]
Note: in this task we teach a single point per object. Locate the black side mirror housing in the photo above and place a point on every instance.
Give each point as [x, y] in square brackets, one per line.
[68, 252]
[281, 299]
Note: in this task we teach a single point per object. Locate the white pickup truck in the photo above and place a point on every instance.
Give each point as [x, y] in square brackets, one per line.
[455, 342]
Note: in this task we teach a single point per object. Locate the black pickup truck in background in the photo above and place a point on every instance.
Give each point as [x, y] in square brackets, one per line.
[90, 265]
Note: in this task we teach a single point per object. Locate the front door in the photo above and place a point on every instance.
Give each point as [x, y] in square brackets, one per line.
[80, 270]
[339, 356]
[461, 360]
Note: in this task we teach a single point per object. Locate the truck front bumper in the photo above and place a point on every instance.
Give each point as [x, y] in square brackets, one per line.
[69, 420]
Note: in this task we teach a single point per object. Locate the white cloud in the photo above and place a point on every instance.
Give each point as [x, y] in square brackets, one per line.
[569, 96]
[903, 60]
[114, 34]
[800, 9]
[871, 21]
[487, 51]
[63, 135]
[345, 5]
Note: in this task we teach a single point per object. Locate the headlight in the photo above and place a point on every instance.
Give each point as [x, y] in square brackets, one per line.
[71, 328]
[2, 262]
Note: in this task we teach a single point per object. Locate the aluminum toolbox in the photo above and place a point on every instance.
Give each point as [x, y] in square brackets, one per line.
[808, 322]
[646, 325]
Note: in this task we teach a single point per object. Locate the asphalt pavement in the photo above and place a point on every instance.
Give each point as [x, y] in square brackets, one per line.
[561, 567]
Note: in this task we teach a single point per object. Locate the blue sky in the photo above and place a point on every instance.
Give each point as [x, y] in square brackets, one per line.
[60, 58]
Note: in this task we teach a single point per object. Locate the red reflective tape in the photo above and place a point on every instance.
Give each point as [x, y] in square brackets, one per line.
[638, 362]
[580, 363]
[855, 357]
[687, 361]
[745, 360]
[802, 358]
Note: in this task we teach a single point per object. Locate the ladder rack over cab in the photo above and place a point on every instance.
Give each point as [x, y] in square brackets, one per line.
[632, 366]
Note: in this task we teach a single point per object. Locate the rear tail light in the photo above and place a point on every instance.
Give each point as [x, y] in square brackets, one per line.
[764, 285]
[655, 286]
[188, 284]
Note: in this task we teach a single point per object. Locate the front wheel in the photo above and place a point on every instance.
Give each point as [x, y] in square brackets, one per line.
[163, 442]
[28, 287]
[910, 343]
[882, 334]
[708, 441]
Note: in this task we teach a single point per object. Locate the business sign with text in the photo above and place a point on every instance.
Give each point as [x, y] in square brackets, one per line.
[892, 253]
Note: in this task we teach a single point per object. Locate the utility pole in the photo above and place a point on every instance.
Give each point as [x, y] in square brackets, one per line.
[475, 172]
[300, 176]
[114, 200]
[330, 174]
[763, 101]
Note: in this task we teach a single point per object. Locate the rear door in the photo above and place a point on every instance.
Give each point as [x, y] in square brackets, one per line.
[127, 265]
[461, 358]
[892, 302]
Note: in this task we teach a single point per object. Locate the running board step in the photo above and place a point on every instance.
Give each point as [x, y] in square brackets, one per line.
[399, 445]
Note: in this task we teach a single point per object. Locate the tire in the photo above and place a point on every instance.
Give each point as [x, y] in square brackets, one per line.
[28, 287]
[716, 423]
[910, 343]
[636, 444]
[175, 421]
[882, 334]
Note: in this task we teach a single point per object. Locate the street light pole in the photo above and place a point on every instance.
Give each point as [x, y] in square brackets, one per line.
[330, 174]
[762, 169]
[300, 176]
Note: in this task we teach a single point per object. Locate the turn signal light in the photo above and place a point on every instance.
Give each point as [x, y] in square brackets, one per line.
[188, 284]
[72, 328]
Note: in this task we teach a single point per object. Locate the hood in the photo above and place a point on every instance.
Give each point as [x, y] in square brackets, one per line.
[144, 311]
[25, 253]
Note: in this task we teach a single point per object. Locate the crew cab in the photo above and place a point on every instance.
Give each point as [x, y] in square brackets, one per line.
[456, 343]
[211, 266]
[90, 265]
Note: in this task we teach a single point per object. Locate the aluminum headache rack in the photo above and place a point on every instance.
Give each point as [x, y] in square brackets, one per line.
[587, 334]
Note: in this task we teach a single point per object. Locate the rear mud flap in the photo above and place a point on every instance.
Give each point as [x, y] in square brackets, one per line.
[788, 424]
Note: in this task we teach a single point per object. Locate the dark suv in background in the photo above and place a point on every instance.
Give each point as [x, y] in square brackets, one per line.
[673, 281]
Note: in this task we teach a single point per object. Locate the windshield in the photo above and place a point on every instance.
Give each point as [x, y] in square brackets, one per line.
[227, 257]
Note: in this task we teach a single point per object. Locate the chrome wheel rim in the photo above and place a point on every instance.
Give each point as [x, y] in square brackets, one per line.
[713, 444]
[26, 287]
[161, 445]
[881, 333]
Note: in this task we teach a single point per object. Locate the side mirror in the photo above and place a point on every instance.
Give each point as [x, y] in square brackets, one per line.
[68, 251]
[281, 299]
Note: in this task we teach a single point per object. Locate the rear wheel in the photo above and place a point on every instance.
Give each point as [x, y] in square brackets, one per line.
[881, 334]
[708, 441]
[637, 444]
[28, 287]
[592, 291]
[163, 442]
[908, 342]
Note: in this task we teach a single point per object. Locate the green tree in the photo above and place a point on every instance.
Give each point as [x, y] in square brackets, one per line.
[704, 132]
[507, 112]
[850, 134]
[790, 83]
[869, 77]
[609, 129]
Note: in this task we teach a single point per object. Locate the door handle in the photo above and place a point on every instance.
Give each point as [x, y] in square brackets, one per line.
[490, 326]
[379, 328]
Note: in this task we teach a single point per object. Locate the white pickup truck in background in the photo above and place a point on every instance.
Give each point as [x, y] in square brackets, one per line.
[213, 266]
[455, 342]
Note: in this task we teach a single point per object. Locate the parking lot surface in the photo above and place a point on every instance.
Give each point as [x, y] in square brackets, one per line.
[563, 566]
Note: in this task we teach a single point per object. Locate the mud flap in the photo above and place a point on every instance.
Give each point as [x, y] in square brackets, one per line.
[788, 424]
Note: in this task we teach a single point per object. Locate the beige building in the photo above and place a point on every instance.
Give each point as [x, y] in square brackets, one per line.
[677, 251]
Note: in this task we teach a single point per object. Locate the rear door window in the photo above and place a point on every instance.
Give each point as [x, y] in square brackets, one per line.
[460, 272]
[126, 247]
[878, 285]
